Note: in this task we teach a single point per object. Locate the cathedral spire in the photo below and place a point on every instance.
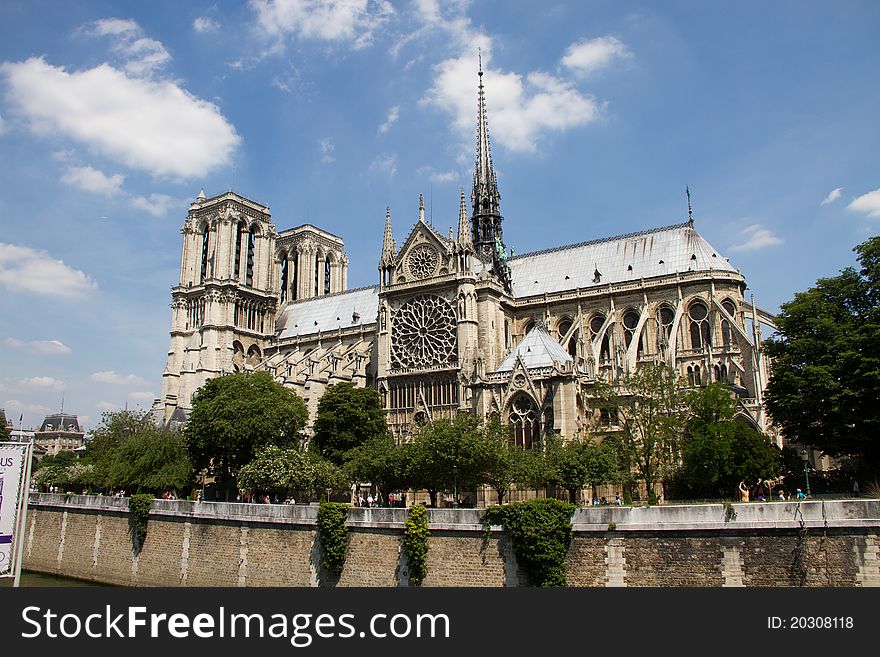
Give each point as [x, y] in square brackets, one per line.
[687, 191]
[388, 246]
[464, 228]
[421, 208]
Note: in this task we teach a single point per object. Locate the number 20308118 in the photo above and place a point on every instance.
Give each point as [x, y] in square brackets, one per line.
[810, 623]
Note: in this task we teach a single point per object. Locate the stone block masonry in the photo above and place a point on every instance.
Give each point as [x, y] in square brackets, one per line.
[815, 543]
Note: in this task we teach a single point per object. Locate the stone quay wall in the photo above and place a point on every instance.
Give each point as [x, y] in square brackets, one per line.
[813, 543]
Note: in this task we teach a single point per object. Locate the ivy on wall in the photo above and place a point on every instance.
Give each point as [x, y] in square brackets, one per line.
[541, 533]
[139, 507]
[415, 543]
[333, 535]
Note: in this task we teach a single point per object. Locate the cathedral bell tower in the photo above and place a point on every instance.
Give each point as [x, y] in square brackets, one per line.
[486, 219]
[223, 309]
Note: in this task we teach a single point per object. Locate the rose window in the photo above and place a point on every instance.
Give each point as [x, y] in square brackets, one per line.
[423, 333]
[422, 261]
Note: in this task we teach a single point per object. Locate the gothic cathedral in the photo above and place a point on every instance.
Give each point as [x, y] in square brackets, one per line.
[457, 323]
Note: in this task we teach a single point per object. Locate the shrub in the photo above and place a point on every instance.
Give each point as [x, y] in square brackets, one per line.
[541, 533]
[333, 535]
[415, 543]
[139, 506]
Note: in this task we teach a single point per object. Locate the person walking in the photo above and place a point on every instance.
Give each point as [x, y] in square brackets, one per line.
[744, 491]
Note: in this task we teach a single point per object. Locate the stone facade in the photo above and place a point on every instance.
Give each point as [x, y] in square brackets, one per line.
[817, 544]
[457, 321]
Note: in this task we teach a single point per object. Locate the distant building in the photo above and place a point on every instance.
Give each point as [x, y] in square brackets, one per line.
[4, 421]
[59, 432]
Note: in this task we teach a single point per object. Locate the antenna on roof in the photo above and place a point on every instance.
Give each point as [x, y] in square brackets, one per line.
[687, 192]
[62, 403]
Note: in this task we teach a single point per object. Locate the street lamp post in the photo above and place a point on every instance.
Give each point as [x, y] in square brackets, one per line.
[806, 458]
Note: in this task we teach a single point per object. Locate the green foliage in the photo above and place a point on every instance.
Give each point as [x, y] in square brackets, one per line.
[139, 506]
[152, 459]
[541, 534]
[651, 407]
[448, 456]
[504, 463]
[380, 462]
[347, 417]
[333, 535]
[824, 388]
[720, 451]
[277, 470]
[574, 464]
[234, 415]
[415, 543]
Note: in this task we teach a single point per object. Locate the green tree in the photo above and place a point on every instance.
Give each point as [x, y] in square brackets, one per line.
[4, 431]
[278, 470]
[234, 415]
[381, 462]
[720, 451]
[574, 464]
[114, 429]
[650, 406]
[347, 417]
[448, 455]
[152, 459]
[824, 387]
[504, 463]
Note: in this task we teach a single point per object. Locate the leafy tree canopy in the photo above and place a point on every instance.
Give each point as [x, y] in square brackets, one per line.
[448, 455]
[506, 464]
[824, 388]
[347, 417]
[234, 415]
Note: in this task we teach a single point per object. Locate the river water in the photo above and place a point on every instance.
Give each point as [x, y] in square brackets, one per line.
[39, 579]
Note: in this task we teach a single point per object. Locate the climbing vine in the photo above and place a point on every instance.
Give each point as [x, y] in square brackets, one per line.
[541, 533]
[333, 535]
[139, 507]
[415, 543]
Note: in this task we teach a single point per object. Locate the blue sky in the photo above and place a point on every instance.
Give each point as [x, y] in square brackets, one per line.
[113, 115]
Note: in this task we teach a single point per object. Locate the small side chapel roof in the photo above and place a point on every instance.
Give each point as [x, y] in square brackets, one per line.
[537, 349]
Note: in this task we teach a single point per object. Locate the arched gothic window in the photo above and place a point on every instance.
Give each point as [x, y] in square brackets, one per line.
[596, 324]
[294, 292]
[318, 262]
[249, 278]
[327, 275]
[524, 420]
[205, 239]
[701, 335]
[665, 318]
[283, 277]
[239, 233]
[730, 309]
[630, 323]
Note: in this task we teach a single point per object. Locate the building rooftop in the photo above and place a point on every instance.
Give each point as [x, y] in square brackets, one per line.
[330, 312]
[536, 349]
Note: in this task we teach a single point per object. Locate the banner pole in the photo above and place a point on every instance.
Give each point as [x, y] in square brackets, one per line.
[22, 520]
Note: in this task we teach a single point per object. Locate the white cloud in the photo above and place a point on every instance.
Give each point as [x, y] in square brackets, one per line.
[327, 148]
[43, 383]
[521, 109]
[139, 54]
[145, 395]
[346, 21]
[756, 237]
[393, 115]
[591, 55]
[868, 203]
[23, 269]
[205, 24]
[92, 180]
[441, 176]
[106, 406]
[23, 407]
[385, 163]
[2, 125]
[112, 377]
[38, 346]
[833, 195]
[115, 27]
[157, 205]
[137, 122]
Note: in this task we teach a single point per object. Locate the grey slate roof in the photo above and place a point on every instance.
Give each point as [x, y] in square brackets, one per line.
[61, 422]
[537, 349]
[328, 313]
[657, 252]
